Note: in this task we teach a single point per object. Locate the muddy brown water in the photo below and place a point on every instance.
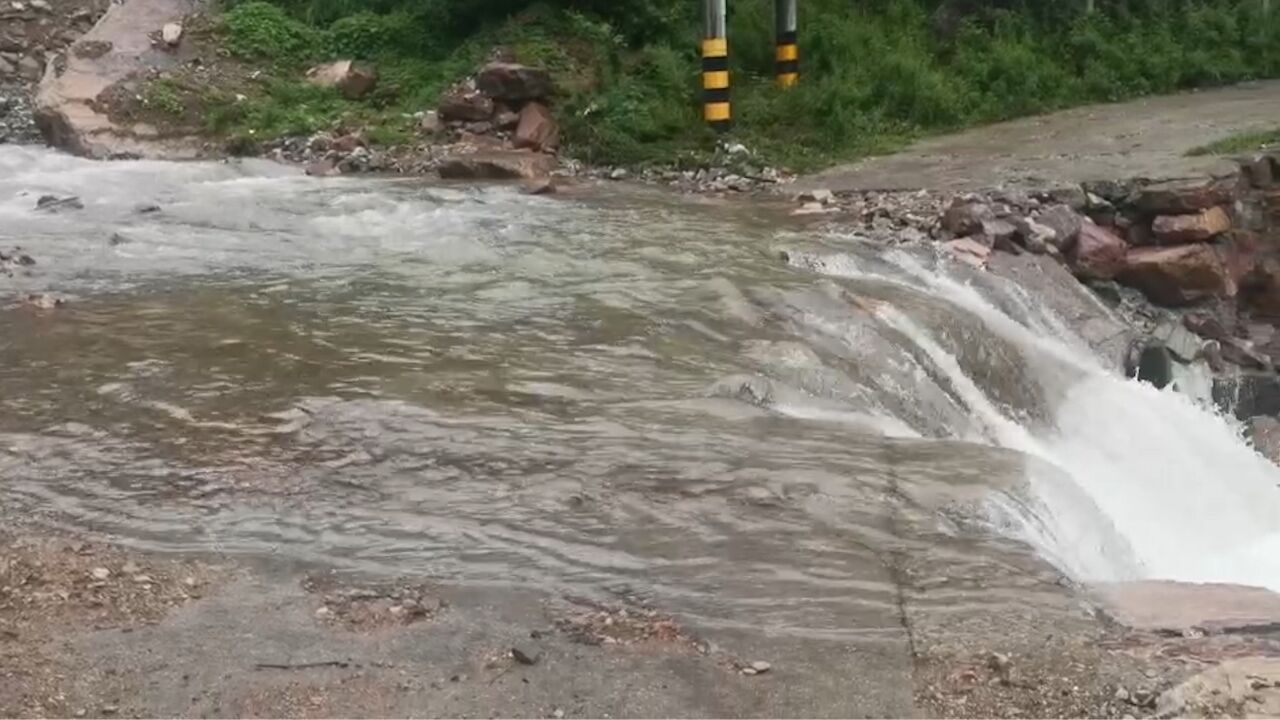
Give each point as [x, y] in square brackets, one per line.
[611, 393]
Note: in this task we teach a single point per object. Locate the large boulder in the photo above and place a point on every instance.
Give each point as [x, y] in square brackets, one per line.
[513, 83]
[965, 217]
[354, 80]
[461, 106]
[497, 165]
[1098, 254]
[68, 107]
[1200, 227]
[1175, 276]
[1064, 222]
[1180, 197]
[537, 129]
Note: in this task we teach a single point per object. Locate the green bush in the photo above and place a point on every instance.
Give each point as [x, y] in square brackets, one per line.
[260, 30]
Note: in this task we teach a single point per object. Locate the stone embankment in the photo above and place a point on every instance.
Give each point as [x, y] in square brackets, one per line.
[1194, 264]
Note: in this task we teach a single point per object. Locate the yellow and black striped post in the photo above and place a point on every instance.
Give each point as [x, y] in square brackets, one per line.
[715, 68]
[787, 67]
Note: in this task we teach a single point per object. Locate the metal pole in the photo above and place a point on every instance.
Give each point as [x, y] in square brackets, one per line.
[788, 54]
[715, 67]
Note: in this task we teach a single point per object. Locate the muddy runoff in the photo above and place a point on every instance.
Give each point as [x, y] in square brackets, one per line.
[800, 473]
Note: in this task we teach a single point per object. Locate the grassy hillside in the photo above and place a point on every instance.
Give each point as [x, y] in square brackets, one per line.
[875, 72]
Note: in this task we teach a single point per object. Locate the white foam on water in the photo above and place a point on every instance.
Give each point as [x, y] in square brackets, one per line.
[1154, 484]
[1194, 502]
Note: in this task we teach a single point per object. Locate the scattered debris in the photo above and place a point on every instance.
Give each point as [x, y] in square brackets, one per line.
[370, 607]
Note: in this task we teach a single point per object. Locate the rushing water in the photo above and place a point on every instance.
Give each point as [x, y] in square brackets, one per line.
[616, 392]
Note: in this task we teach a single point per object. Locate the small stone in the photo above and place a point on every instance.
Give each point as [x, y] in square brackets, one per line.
[748, 671]
[143, 579]
[130, 568]
[100, 573]
[761, 667]
[811, 208]
[429, 123]
[821, 196]
[190, 582]
[999, 662]
[525, 657]
[557, 713]
[538, 186]
[171, 33]
[44, 301]
[30, 68]
[618, 174]
[147, 209]
[1122, 695]
[506, 120]
[323, 612]
[110, 709]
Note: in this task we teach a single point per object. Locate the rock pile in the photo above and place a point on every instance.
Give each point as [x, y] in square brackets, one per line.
[34, 33]
[1194, 264]
[499, 123]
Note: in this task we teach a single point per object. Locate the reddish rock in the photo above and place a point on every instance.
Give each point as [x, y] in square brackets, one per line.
[1098, 254]
[1178, 275]
[354, 80]
[1200, 227]
[465, 107]
[497, 165]
[1240, 251]
[537, 129]
[1180, 197]
[514, 83]
[969, 251]
[347, 143]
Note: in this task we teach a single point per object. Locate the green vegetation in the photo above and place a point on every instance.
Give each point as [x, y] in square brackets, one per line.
[164, 97]
[875, 72]
[1241, 143]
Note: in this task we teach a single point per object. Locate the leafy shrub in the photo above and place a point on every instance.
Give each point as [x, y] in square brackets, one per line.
[260, 30]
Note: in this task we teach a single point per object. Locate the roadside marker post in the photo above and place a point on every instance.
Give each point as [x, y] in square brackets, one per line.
[788, 51]
[715, 67]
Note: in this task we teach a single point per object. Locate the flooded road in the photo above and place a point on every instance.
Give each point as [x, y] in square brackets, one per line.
[612, 394]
